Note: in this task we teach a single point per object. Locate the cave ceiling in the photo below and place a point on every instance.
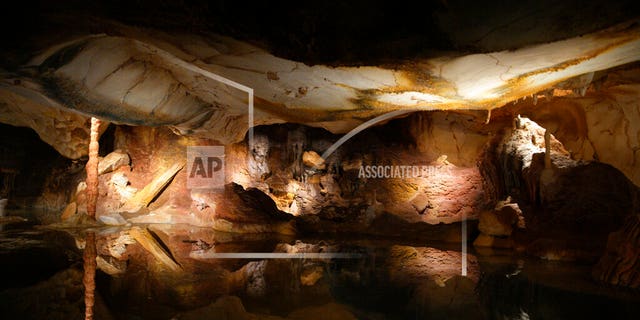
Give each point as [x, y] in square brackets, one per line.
[326, 64]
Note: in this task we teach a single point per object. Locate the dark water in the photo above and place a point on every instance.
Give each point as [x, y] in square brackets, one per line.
[42, 271]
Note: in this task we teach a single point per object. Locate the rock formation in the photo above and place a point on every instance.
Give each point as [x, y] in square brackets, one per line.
[521, 130]
[62, 78]
[620, 264]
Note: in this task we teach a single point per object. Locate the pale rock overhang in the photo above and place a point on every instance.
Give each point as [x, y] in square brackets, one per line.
[144, 77]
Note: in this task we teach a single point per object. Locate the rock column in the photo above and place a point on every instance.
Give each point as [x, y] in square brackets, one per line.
[92, 168]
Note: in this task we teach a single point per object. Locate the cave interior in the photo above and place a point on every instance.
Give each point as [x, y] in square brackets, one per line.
[322, 160]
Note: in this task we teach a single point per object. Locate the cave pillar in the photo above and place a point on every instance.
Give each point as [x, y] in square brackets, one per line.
[92, 168]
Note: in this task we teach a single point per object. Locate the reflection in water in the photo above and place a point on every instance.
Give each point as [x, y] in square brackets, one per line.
[89, 275]
[369, 279]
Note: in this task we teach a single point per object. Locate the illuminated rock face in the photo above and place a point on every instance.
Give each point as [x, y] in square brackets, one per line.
[555, 197]
[66, 131]
[333, 198]
[162, 79]
[456, 183]
[600, 126]
[166, 90]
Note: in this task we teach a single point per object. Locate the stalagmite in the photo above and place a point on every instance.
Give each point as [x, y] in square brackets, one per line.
[92, 168]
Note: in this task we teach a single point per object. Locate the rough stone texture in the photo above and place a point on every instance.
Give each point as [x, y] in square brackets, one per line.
[600, 126]
[110, 266]
[258, 167]
[459, 138]
[92, 168]
[448, 194]
[444, 194]
[341, 201]
[496, 226]
[313, 160]
[145, 195]
[234, 210]
[595, 194]
[490, 224]
[66, 131]
[620, 264]
[502, 220]
[113, 161]
[149, 77]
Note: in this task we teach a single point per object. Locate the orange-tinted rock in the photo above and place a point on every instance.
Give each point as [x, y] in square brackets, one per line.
[491, 224]
[113, 161]
[69, 211]
[412, 265]
[502, 220]
[313, 160]
[145, 195]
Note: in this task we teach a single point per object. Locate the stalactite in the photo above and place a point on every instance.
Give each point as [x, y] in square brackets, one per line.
[92, 168]
[89, 277]
[296, 144]
[547, 176]
[258, 153]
